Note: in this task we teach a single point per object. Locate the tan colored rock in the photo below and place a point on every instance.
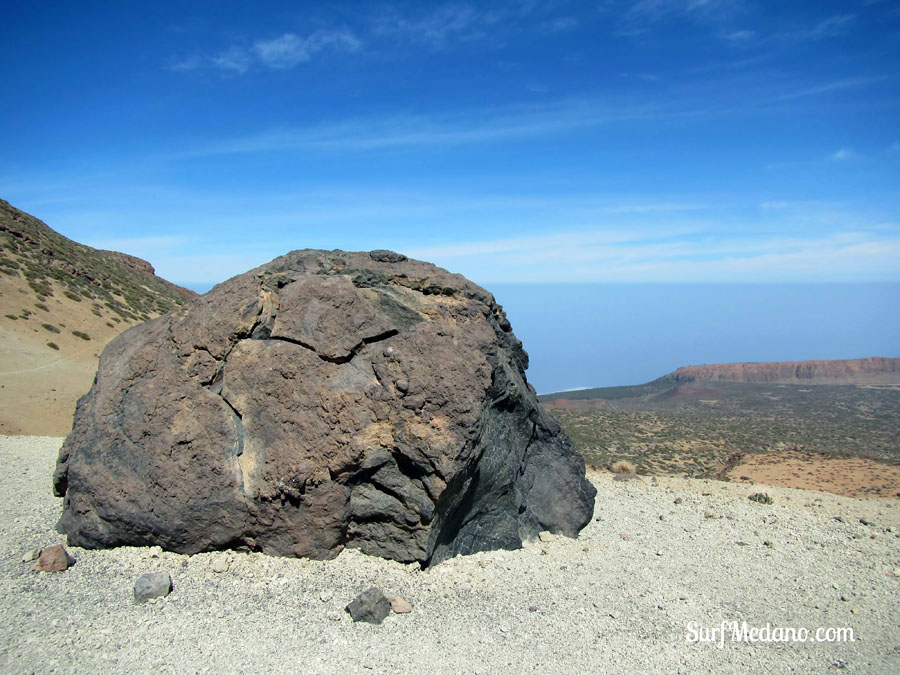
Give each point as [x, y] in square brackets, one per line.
[53, 559]
[399, 605]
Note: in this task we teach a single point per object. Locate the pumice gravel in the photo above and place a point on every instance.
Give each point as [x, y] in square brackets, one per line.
[626, 596]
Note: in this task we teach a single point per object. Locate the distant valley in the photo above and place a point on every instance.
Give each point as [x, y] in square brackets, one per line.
[837, 431]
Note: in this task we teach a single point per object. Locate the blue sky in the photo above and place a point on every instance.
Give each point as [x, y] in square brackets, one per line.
[605, 141]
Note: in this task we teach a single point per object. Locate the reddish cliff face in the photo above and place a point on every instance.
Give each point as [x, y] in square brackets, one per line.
[874, 370]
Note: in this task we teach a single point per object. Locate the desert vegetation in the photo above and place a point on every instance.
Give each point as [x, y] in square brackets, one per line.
[119, 287]
[704, 432]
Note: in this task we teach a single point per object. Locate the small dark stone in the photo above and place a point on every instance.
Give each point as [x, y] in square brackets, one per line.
[382, 255]
[677, 500]
[152, 585]
[371, 606]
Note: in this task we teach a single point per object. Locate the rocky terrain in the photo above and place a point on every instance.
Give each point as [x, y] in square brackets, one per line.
[61, 303]
[325, 399]
[658, 555]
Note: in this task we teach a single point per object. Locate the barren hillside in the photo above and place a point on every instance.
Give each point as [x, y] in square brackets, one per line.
[61, 303]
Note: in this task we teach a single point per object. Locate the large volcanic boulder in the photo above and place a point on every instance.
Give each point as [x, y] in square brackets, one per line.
[326, 399]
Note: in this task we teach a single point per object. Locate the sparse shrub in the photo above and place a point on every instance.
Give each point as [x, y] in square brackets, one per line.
[41, 305]
[110, 324]
[82, 335]
[761, 498]
[623, 466]
[24, 314]
[50, 327]
[53, 345]
[40, 287]
[72, 295]
[12, 316]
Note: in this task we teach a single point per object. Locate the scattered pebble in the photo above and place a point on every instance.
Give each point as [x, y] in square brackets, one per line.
[152, 585]
[371, 606]
[399, 605]
[53, 559]
[31, 555]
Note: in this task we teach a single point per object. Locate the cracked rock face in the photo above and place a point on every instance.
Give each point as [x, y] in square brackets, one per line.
[326, 399]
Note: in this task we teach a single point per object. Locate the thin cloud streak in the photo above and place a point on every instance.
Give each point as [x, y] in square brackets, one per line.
[475, 126]
[411, 130]
[284, 52]
[844, 155]
[830, 87]
[619, 256]
[833, 26]
[289, 50]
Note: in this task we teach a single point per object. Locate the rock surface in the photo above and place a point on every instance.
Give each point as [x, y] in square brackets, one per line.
[152, 585]
[399, 605]
[326, 399]
[371, 606]
[53, 559]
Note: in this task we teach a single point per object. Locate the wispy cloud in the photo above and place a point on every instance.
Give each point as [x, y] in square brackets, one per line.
[830, 87]
[845, 154]
[833, 26]
[642, 15]
[234, 60]
[618, 256]
[289, 50]
[466, 127]
[284, 52]
[562, 23]
[442, 26]
[740, 37]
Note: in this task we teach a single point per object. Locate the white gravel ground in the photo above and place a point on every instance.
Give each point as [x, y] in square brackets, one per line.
[618, 599]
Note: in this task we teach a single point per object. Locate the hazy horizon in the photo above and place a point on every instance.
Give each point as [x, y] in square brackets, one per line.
[602, 335]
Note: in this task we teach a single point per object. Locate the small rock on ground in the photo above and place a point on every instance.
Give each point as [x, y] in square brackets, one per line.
[152, 585]
[371, 606]
[53, 559]
[399, 605]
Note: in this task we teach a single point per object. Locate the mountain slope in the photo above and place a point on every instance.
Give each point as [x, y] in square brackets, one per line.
[60, 303]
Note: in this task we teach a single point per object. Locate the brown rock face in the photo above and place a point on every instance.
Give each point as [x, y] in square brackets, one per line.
[326, 399]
